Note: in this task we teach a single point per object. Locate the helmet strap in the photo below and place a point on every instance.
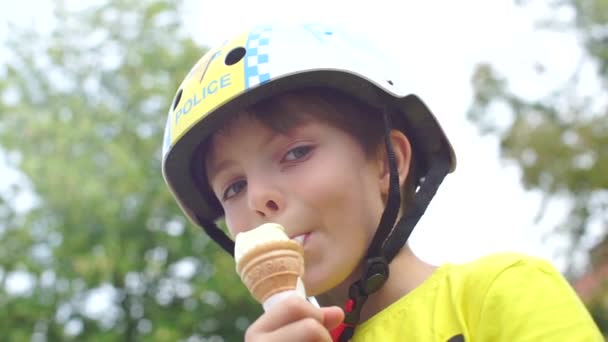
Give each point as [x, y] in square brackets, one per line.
[440, 167]
[217, 235]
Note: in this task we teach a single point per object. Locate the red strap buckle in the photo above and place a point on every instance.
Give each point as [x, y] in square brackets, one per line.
[350, 305]
[339, 330]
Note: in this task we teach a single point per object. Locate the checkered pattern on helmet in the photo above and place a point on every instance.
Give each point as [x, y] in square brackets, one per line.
[256, 59]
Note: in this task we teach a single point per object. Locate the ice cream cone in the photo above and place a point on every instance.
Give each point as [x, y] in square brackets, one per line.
[272, 267]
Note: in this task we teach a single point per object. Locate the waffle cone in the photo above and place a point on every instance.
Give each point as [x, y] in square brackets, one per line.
[271, 268]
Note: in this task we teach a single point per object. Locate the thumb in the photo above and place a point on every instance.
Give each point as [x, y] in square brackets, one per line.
[332, 317]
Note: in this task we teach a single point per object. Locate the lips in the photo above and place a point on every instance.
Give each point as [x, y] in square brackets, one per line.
[301, 239]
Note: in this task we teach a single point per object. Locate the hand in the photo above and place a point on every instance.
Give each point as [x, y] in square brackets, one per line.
[295, 319]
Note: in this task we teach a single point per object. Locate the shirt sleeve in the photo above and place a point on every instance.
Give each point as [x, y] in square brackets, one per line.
[529, 300]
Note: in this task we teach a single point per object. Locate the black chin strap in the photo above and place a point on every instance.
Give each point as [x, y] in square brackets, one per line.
[393, 202]
[388, 241]
[217, 235]
[434, 177]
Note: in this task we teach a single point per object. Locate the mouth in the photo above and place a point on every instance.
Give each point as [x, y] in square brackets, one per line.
[301, 239]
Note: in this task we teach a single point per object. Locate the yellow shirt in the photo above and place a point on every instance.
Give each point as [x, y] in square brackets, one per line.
[502, 297]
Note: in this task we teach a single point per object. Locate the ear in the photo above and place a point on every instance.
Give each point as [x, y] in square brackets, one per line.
[403, 157]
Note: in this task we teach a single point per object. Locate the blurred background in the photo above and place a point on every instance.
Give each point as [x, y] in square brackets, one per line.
[92, 245]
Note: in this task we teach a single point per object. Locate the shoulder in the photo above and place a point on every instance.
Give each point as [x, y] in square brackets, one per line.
[504, 260]
[523, 298]
[507, 276]
[521, 283]
[496, 266]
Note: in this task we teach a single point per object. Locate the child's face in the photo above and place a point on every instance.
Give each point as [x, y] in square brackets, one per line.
[314, 180]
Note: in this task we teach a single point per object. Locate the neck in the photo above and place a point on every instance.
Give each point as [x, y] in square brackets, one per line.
[406, 272]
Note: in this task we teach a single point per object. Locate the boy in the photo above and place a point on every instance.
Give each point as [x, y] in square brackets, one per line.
[304, 126]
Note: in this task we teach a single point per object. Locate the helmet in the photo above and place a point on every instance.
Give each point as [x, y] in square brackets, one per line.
[266, 61]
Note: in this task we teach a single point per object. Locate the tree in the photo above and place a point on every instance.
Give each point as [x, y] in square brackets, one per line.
[103, 252]
[560, 141]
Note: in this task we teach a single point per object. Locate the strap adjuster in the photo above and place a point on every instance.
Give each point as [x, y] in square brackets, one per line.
[376, 274]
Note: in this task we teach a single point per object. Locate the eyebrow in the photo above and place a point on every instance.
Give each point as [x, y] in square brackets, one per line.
[215, 168]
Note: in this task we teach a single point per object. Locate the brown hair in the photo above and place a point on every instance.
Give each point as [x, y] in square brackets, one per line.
[353, 116]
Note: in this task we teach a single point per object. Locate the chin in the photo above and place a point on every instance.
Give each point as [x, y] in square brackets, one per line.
[319, 284]
[312, 287]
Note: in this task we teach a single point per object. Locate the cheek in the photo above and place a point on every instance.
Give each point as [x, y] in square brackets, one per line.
[327, 193]
[234, 222]
[343, 190]
[231, 228]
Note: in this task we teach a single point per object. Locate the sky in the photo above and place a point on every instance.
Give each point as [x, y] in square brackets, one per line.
[482, 207]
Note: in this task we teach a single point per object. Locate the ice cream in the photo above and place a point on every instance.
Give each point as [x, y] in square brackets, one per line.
[269, 263]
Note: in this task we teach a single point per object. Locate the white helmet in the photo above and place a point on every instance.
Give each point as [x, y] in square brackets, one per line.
[266, 61]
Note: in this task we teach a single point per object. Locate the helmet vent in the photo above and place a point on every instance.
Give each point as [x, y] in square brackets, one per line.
[178, 97]
[389, 82]
[235, 55]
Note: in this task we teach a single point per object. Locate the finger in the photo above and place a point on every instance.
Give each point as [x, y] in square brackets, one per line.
[289, 310]
[332, 317]
[304, 330]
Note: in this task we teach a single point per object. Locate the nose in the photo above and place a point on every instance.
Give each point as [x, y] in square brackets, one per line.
[264, 197]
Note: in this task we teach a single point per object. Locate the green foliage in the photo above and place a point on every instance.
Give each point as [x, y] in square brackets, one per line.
[559, 141]
[82, 115]
[591, 20]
